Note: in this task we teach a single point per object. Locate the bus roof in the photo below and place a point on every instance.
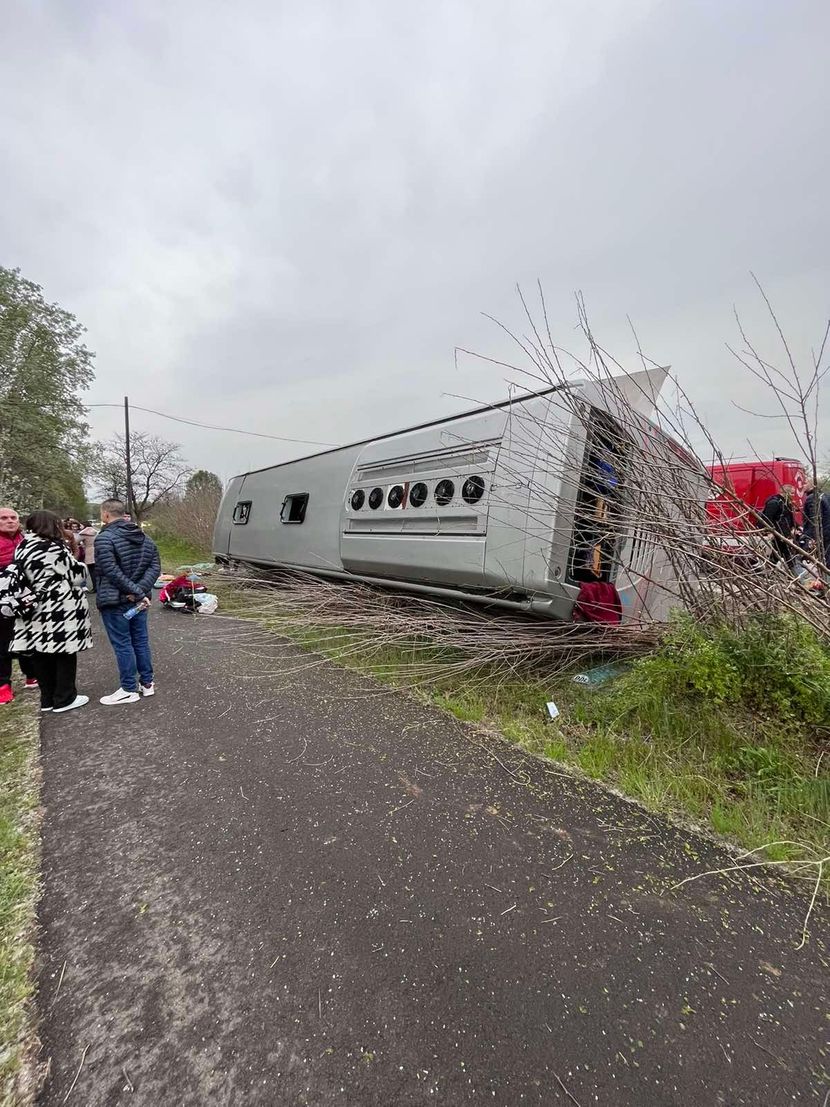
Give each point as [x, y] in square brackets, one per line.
[418, 426]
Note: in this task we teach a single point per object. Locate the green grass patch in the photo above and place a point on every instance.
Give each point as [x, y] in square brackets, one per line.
[19, 885]
[720, 726]
[175, 551]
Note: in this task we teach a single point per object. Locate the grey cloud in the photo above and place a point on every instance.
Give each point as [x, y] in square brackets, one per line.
[299, 210]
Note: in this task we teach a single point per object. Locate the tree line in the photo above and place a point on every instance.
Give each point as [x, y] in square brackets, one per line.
[47, 457]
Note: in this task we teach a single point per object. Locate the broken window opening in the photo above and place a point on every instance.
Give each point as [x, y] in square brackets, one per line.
[294, 507]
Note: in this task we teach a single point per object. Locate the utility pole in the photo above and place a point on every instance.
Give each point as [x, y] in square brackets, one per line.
[130, 497]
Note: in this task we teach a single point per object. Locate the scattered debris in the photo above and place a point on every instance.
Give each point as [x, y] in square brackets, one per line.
[58, 989]
[77, 1074]
[598, 675]
[571, 1097]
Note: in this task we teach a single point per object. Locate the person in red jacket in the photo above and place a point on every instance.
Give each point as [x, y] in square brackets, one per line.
[11, 535]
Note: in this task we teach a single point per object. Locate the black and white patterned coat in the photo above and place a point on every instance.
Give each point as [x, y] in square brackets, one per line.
[58, 620]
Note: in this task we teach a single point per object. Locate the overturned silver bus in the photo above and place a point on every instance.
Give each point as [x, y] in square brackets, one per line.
[515, 503]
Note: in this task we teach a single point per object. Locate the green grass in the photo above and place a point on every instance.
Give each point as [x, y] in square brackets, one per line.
[721, 729]
[19, 885]
[175, 552]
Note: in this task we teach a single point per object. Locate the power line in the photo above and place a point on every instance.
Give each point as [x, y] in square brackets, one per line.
[210, 426]
[190, 422]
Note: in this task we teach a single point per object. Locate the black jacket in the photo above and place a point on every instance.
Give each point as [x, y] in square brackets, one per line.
[778, 513]
[811, 500]
[126, 563]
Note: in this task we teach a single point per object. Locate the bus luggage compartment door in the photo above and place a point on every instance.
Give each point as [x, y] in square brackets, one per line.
[421, 548]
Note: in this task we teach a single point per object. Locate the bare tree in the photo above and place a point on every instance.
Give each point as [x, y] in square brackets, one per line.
[794, 390]
[158, 470]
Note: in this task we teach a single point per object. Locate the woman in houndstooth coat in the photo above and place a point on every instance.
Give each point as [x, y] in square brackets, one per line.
[54, 625]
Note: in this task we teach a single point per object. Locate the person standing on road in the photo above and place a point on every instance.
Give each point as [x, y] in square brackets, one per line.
[87, 535]
[11, 535]
[70, 535]
[53, 623]
[127, 565]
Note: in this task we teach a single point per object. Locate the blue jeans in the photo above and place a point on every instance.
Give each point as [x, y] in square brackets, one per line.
[131, 643]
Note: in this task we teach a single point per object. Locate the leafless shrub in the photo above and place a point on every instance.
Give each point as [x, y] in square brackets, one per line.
[190, 519]
[794, 391]
[438, 639]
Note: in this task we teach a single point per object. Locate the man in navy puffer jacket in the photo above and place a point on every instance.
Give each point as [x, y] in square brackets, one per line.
[128, 565]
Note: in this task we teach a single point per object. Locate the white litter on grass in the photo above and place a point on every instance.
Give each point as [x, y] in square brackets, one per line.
[553, 710]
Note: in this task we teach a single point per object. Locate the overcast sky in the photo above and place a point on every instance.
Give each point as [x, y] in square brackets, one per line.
[285, 216]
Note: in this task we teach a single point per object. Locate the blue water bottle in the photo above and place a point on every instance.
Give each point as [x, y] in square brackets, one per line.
[134, 610]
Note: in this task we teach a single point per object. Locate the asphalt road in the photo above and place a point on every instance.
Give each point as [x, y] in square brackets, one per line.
[278, 886]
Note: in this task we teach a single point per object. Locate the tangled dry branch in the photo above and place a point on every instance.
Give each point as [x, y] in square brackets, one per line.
[440, 640]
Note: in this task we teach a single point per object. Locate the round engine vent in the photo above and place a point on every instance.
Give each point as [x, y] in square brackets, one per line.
[418, 494]
[375, 498]
[358, 499]
[395, 497]
[444, 492]
[472, 490]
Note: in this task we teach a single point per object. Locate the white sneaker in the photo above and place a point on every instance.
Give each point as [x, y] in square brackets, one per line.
[121, 696]
[79, 701]
[147, 689]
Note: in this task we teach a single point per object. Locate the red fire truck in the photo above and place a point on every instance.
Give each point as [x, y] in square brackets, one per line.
[748, 485]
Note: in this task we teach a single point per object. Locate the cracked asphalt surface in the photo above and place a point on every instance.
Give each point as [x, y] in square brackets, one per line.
[296, 888]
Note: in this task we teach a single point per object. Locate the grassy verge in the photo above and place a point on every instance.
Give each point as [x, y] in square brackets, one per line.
[175, 552]
[724, 730]
[19, 885]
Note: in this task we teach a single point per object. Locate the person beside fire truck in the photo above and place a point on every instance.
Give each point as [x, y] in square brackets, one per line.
[817, 521]
[778, 512]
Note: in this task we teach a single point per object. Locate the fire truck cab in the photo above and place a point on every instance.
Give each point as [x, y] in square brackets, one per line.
[752, 483]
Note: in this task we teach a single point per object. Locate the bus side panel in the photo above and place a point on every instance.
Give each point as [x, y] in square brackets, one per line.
[552, 502]
[511, 524]
[442, 539]
[314, 542]
[223, 524]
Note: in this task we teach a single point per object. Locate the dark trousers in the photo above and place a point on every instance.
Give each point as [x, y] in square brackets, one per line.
[26, 666]
[93, 576]
[55, 673]
[782, 551]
